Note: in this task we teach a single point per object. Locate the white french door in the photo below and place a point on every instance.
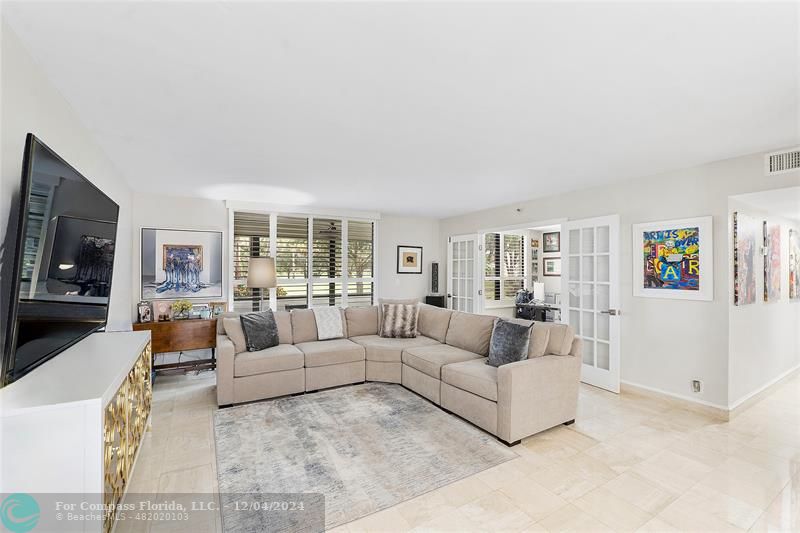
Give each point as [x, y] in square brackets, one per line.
[590, 302]
[463, 281]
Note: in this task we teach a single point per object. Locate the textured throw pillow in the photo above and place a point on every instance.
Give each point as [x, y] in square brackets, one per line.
[234, 331]
[509, 342]
[329, 323]
[399, 321]
[260, 330]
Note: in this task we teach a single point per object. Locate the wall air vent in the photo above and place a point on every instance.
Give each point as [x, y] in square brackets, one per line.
[782, 161]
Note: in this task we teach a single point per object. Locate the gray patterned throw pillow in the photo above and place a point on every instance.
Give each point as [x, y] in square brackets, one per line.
[509, 342]
[260, 330]
[399, 321]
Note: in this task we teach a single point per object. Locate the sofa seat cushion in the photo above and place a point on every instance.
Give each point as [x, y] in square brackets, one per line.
[430, 359]
[275, 359]
[473, 376]
[331, 352]
[388, 350]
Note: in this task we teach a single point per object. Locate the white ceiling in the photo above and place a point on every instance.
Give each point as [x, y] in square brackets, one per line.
[416, 108]
[779, 202]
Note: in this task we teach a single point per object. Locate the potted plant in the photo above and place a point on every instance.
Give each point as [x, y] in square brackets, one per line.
[181, 309]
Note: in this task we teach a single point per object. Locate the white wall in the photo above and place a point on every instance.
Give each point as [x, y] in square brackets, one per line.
[665, 343]
[409, 231]
[31, 104]
[764, 336]
[172, 212]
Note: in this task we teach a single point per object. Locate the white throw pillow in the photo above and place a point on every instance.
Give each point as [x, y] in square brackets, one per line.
[329, 323]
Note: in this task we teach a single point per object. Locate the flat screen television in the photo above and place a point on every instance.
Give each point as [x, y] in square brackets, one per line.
[64, 258]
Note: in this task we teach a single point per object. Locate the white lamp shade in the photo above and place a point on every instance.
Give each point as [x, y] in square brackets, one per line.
[261, 273]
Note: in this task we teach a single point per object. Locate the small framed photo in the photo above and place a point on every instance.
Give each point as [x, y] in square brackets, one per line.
[552, 266]
[145, 312]
[217, 308]
[409, 259]
[200, 311]
[162, 311]
[552, 242]
[534, 243]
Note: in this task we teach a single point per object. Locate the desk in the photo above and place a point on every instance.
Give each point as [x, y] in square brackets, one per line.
[181, 336]
[536, 311]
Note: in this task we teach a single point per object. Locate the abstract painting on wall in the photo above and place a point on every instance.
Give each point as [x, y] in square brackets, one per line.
[674, 259]
[745, 250]
[772, 262]
[794, 265]
[181, 264]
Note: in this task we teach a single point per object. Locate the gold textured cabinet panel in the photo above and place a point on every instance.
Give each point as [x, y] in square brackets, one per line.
[124, 425]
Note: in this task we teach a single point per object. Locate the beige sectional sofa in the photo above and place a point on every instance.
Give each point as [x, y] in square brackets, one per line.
[445, 363]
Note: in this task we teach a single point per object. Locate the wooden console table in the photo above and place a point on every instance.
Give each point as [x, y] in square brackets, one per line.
[181, 336]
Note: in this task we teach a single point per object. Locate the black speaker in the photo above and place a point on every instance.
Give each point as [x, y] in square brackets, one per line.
[434, 278]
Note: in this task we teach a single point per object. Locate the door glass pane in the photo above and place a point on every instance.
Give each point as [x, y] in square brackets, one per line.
[588, 268]
[588, 352]
[574, 241]
[587, 323]
[469, 292]
[602, 297]
[574, 295]
[470, 268]
[602, 268]
[575, 268]
[587, 241]
[575, 320]
[603, 356]
[602, 243]
[587, 296]
[602, 326]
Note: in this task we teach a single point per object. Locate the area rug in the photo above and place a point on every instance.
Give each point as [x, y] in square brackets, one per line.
[364, 448]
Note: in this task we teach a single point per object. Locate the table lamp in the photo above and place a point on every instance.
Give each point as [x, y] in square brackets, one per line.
[261, 275]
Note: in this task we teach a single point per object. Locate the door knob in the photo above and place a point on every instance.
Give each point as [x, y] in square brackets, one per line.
[612, 312]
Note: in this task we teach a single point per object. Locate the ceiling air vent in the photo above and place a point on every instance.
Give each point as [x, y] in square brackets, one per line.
[782, 161]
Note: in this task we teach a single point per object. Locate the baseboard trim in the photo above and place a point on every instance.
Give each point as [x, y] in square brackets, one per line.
[684, 402]
[749, 400]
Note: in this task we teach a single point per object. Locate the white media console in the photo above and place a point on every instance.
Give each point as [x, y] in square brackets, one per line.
[74, 424]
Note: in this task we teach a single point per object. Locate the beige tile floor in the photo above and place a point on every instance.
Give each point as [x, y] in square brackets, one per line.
[627, 464]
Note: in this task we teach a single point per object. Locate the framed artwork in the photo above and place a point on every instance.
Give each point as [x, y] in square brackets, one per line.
[217, 308]
[674, 259]
[746, 246]
[794, 265]
[162, 311]
[145, 312]
[552, 242]
[772, 262]
[534, 243]
[552, 266]
[181, 264]
[409, 259]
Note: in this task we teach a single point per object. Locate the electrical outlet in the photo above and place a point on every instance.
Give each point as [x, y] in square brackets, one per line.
[697, 385]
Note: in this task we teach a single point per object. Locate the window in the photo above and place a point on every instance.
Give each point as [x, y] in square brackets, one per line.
[318, 261]
[504, 266]
[251, 239]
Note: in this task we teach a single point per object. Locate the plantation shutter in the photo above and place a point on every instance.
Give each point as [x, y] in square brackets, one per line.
[514, 263]
[491, 285]
[327, 261]
[360, 263]
[250, 239]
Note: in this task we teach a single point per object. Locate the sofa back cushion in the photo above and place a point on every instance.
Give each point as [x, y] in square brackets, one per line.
[304, 326]
[470, 332]
[560, 337]
[361, 320]
[540, 336]
[282, 318]
[433, 321]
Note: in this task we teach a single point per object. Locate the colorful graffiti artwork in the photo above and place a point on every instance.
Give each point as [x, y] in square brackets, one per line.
[794, 265]
[745, 231]
[772, 263]
[672, 259]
